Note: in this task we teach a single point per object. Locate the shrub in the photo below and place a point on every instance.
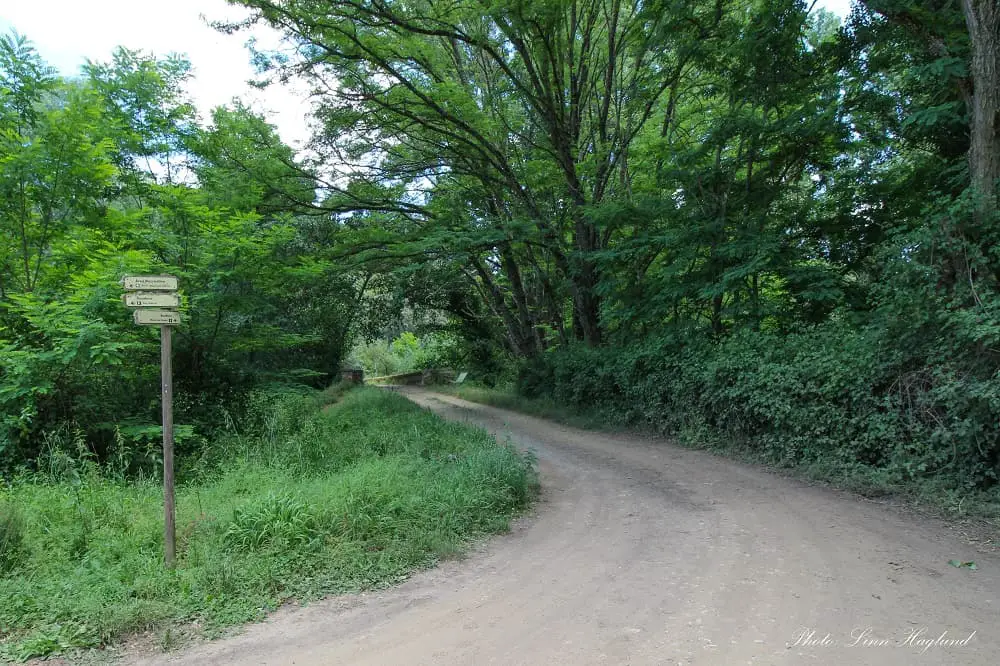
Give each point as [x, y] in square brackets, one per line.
[334, 392]
[832, 395]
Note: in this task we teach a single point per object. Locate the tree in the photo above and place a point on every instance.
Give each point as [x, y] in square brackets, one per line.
[982, 17]
[520, 114]
[965, 39]
[112, 174]
[54, 168]
[147, 114]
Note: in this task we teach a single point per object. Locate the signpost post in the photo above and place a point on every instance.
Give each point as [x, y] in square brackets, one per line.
[166, 382]
[150, 296]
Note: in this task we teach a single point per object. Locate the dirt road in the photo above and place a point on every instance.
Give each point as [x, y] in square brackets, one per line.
[643, 553]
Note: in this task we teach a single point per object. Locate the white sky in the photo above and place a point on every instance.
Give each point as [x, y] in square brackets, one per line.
[67, 32]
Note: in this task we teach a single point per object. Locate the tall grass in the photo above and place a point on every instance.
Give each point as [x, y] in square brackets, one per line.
[352, 497]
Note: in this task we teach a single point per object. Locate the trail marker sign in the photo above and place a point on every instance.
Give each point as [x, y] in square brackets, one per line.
[149, 283]
[152, 297]
[153, 317]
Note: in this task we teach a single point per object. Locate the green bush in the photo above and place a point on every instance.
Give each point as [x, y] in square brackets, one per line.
[832, 396]
[334, 392]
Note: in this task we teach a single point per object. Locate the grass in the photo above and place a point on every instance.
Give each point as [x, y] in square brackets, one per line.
[334, 393]
[506, 398]
[356, 496]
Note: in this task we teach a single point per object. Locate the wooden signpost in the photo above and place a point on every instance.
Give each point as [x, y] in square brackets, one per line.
[151, 296]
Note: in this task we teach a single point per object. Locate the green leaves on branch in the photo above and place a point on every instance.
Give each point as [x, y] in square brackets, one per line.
[110, 174]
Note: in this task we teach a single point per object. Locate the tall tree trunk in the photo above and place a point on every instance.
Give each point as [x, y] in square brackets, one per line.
[532, 342]
[494, 298]
[717, 327]
[586, 301]
[983, 20]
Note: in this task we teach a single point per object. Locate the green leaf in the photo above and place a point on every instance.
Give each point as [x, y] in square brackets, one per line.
[963, 565]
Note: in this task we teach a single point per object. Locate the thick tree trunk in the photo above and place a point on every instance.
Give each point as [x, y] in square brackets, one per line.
[586, 302]
[494, 298]
[529, 331]
[983, 20]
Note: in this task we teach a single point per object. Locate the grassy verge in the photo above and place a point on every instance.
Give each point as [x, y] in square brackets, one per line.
[357, 496]
[928, 496]
[506, 398]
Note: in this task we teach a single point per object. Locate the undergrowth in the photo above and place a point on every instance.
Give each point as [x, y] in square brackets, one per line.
[506, 397]
[306, 504]
[939, 494]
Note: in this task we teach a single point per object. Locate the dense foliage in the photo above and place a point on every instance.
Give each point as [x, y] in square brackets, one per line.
[735, 213]
[849, 404]
[112, 173]
[786, 225]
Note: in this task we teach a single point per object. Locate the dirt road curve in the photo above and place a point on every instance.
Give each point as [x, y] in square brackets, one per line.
[642, 553]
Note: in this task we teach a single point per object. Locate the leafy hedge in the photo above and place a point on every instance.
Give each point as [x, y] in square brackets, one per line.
[847, 398]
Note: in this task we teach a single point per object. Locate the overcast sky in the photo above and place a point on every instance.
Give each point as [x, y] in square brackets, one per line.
[67, 32]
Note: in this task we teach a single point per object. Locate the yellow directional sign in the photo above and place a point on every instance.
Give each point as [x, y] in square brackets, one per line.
[149, 283]
[152, 299]
[156, 317]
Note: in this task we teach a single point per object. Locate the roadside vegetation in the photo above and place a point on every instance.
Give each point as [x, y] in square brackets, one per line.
[506, 396]
[745, 223]
[298, 504]
[405, 353]
[806, 452]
